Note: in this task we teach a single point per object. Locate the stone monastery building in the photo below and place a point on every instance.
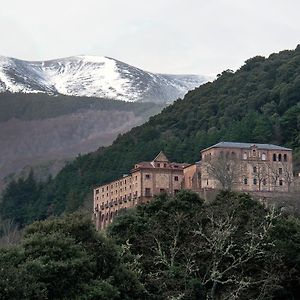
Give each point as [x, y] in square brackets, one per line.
[238, 166]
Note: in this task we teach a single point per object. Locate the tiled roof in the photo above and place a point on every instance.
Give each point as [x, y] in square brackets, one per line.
[150, 165]
[247, 146]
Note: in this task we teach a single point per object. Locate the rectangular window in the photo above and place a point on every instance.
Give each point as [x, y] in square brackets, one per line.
[245, 181]
[254, 169]
[161, 190]
[97, 191]
[254, 181]
[176, 191]
[147, 192]
[176, 178]
[280, 182]
[147, 176]
[280, 170]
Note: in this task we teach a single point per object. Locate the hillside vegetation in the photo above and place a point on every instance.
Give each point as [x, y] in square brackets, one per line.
[37, 130]
[172, 248]
[257, 103]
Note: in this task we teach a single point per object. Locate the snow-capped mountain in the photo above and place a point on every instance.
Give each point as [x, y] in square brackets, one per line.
[93, 76]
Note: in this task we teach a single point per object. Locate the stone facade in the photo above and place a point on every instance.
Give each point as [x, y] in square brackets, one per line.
[252, 167]
[146, 180]
[260, 168]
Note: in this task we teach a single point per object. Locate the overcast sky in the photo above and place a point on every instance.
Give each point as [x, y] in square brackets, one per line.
[167, 36]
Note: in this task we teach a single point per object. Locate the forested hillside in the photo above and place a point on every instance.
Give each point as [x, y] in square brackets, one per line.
[43, 132]
[257, 103]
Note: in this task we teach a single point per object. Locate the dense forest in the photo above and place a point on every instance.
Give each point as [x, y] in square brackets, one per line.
[172, 248]
[44, 131]
[43, 106]
[260, 102]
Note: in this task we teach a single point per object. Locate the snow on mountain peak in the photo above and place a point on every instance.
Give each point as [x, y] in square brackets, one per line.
[93, 76]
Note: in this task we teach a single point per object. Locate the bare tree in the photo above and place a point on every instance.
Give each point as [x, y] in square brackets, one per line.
[224, 256]
[274, 174]
[287, 174]
[261, 173]
[225, 170]
[10, 234]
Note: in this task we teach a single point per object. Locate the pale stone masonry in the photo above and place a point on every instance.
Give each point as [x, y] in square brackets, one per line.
[250, 168]
[146, 180]
[257, 167]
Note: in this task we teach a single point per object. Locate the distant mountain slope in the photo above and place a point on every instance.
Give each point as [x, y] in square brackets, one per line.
[93, 76]
[36, 129]
[258, 103]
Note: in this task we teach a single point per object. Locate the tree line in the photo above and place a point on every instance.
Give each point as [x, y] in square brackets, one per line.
[172, 248]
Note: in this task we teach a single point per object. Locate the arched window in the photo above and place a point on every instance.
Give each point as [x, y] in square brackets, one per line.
[254, 181]
[245, 155]
[284, 157]
[263, 156]
[279, 157]
[274, 157]
[254, 152]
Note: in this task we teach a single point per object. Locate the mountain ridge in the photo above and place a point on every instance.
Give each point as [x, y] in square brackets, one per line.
[93, 76]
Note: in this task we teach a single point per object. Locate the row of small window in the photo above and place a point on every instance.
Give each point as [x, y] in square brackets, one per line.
[264, 181]
[115, 202]
[279, 170]
[148, 176]
[276, 157]
[109, 216]
[148, 191]
[119, 183]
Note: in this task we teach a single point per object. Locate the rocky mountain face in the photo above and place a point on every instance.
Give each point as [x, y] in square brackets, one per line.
[93, 76]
